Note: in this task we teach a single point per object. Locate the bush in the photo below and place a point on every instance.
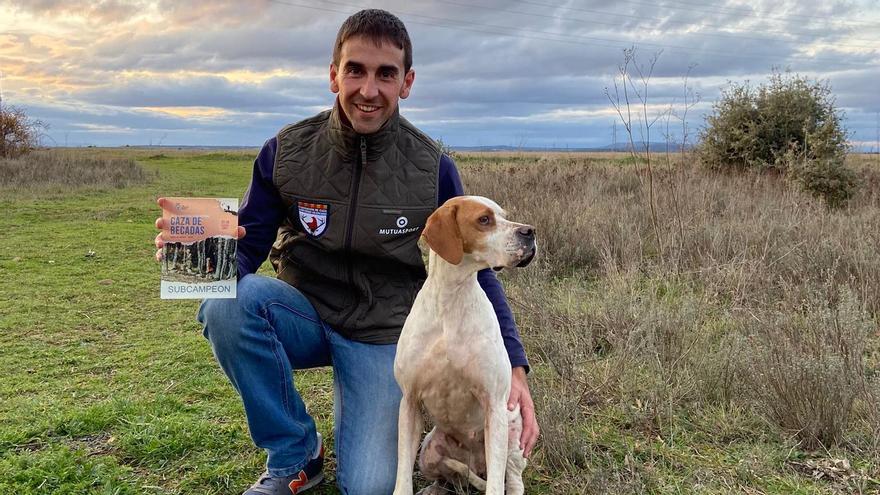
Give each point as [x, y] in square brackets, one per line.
[20, 134]
[756, 127]
[827, 178]
[446, 149]
[807, 370]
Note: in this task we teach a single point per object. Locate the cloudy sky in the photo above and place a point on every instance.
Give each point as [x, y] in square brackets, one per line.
[488, 72]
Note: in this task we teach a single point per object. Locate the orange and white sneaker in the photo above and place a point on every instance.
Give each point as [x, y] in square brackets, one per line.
[295, 484]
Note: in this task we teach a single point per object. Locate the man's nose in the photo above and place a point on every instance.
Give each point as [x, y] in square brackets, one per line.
[369, 89]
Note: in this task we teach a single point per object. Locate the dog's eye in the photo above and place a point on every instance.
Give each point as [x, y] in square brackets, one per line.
[484, 220]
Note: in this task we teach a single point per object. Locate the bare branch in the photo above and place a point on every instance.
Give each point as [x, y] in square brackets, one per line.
[19, 134]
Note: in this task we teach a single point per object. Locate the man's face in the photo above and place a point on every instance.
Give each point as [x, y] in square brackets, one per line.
[369, 80]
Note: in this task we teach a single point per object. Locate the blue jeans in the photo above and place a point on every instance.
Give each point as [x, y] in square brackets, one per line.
[270, 330]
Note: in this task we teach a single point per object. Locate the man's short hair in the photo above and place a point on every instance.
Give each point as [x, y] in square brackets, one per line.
[379, 26]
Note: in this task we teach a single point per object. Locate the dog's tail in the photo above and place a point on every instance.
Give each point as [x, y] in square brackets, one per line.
[464, 471]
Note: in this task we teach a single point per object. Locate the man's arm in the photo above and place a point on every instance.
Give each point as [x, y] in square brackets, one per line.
[261, 213]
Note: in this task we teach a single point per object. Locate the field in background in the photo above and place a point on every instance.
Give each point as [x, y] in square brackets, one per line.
[739, 353]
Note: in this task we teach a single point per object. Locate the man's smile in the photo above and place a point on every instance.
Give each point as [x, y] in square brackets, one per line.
[366, 108]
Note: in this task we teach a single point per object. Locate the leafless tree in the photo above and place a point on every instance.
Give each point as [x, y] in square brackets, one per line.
[679, 112]
[634, 80]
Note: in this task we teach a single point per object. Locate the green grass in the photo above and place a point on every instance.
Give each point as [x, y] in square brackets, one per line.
[106, 389]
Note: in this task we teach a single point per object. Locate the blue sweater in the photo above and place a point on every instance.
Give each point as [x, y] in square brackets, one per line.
[262, 212]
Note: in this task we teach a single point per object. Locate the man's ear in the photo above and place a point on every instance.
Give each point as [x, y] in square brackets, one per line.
[334, 86]
[408, 81]
[442, 234]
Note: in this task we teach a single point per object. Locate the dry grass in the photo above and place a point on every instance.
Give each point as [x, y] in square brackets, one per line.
[756, 298]
[807, 368]
[729, 232]
[69, 170]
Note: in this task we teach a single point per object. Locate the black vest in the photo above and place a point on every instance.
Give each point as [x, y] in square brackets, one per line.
[356, 206]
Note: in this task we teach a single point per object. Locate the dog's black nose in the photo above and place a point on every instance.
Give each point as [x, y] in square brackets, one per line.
[526, 232]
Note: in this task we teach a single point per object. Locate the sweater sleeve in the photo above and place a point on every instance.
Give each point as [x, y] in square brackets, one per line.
[449, 187]
[261, 213]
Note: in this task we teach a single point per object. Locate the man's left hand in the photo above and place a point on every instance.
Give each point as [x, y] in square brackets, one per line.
[519, 394]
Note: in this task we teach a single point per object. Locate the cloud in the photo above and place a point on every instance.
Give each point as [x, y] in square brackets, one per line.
[494, 73]
[204, 91]
[101, 12]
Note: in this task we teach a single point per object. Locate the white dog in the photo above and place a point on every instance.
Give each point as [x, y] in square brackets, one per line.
[451, 359]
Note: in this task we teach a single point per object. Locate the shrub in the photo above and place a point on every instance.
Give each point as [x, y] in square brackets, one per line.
[806, 367]
[826, 178]
[19, 134]
[755, 127]
[446, 148]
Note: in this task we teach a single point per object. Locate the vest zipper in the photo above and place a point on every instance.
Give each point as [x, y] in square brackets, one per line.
[359, 167]
[363, 151]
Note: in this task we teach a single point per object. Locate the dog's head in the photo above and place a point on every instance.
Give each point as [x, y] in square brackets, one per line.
[475, 228]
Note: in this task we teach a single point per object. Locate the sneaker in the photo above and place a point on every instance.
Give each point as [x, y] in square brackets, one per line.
[309, 476]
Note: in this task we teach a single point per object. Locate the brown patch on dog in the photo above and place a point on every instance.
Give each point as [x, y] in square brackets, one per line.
[456, 228]
[442, 235]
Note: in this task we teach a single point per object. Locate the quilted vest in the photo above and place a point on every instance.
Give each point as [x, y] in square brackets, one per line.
[356, 206]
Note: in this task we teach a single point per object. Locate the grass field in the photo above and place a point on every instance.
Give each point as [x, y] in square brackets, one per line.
[658, 366]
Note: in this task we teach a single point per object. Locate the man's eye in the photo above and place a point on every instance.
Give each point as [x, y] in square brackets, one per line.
[388, 74]
[352, 70]
[484, 220]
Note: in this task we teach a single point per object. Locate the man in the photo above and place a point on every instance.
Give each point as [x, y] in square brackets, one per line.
[344, 196]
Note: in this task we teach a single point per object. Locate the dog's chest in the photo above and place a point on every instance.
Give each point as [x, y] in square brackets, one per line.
[454, 396]
[452, 359]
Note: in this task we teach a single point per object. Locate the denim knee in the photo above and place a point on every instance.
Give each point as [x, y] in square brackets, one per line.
[227, 321]
[369, 484]
[220, 319]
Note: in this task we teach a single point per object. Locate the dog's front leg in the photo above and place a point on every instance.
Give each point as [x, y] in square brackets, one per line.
[496, 448]
[409, 429]
[516, 463]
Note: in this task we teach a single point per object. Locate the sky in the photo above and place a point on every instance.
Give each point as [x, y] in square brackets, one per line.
[523, 73]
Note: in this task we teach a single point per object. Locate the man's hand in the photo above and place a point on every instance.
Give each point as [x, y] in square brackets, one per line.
[519, 394]
[160, 224]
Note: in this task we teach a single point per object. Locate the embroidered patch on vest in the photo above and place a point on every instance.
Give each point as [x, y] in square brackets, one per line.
[313, 217]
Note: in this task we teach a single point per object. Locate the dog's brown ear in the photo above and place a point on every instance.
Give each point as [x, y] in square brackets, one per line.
[442, 234]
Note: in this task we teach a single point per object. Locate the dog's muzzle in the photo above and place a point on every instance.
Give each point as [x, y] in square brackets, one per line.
[526, 235]
[529, 257]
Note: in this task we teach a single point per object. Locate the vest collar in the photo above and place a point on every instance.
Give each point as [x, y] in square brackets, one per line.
[347, 142]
